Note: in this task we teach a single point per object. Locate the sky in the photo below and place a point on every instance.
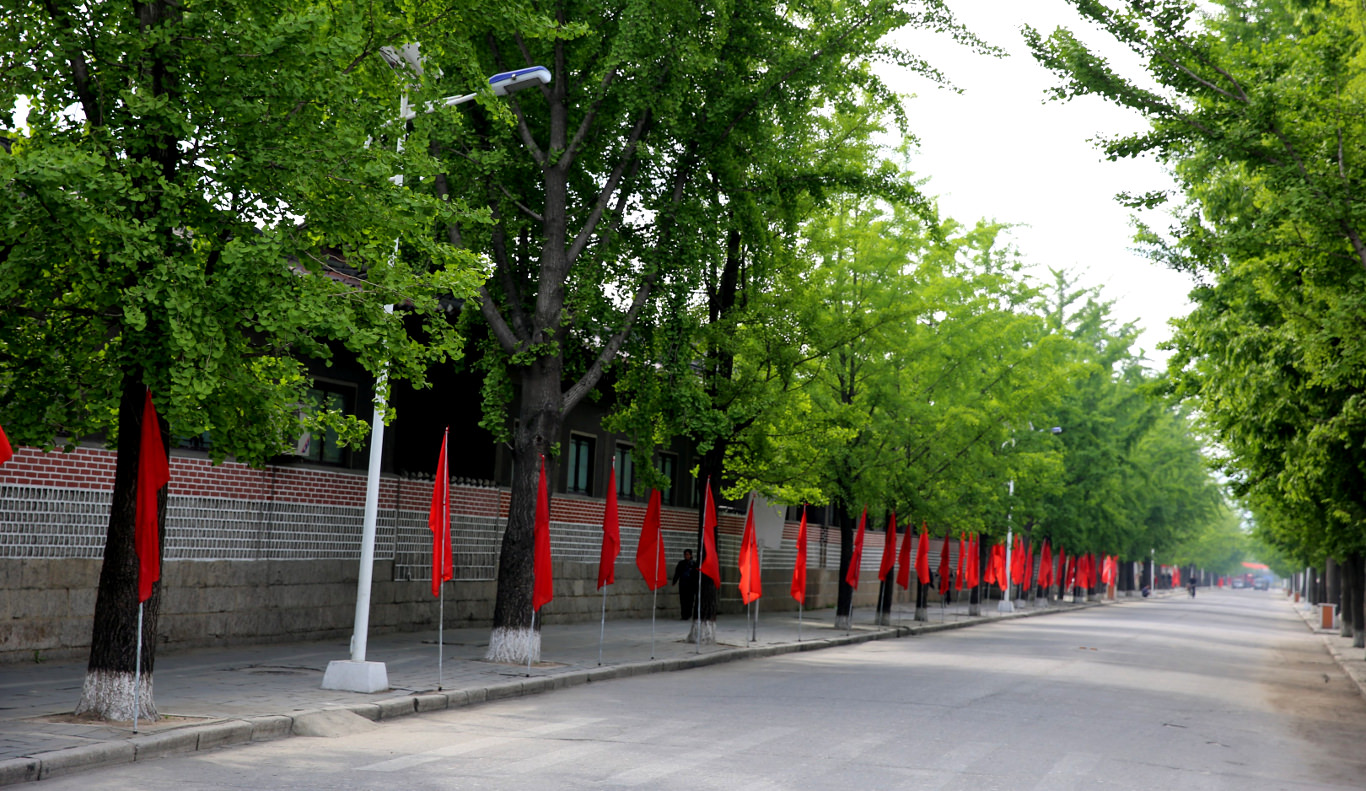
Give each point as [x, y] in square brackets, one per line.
[1000, 150]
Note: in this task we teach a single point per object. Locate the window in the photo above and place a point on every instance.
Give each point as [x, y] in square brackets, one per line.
[668, 463]
[626, 471]
[580, 464]
[323, 448]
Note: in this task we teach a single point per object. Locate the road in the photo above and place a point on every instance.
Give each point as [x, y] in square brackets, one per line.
[1225, 691]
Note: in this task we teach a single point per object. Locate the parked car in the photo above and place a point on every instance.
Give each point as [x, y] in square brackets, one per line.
[1238, 583]
[1261, 584]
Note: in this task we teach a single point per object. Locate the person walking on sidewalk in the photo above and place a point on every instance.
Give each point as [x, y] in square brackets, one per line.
[685, 577]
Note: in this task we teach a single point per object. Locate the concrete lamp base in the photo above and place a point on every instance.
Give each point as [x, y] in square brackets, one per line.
[351, 676]
[1005, 605]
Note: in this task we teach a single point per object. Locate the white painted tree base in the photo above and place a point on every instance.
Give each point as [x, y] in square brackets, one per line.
[842, 622]
[975, 609]
[108, 694]
[708, 633]
[350, 676]
[514, 645]
[922, 613]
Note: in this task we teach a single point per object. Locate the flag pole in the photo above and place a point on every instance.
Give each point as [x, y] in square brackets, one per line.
[698, 608]
[799, 620]
[603, 633]
[654, 603]
[529, 640]
[754, 628]
[440, 635]
[137, 673]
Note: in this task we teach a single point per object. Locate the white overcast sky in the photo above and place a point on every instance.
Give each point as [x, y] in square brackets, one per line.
[999, 150]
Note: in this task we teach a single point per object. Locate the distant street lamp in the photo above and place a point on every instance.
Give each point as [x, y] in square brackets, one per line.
[1006, 604]
[356, 674]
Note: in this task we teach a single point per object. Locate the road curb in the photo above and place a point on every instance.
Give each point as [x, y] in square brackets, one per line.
[266, 727]
[1335, 644]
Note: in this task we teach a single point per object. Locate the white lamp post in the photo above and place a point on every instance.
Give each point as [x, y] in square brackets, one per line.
[356, 674]
[1006, 605]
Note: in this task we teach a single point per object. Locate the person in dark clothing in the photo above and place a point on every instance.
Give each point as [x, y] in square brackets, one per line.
[685, 577]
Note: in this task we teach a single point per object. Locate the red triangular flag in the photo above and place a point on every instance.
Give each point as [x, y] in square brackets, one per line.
[611, 534]
[1029, 565]
[1045, 566]
[974, 564]
[439, 522]
[799, 568]
[1176, 576]
[856, 559]
[922, 555]
[888, 549]
[154, 472]
[6, 452]
[751, 584]
[998, 562]
[1017, 562]
[650, 548]
[958, 576]
[710, 566]
[945, 569]
[543, 583]
[903, 573]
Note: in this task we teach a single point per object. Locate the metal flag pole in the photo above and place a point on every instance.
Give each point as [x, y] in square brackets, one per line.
[137, 673]
[603, 633]
[698, 609]
[800, 606]
[440, 635]
[531, 637]
[754, 628]
[654, 603]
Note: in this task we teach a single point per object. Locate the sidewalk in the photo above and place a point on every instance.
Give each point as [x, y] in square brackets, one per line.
[213, 697]
[1351, 660]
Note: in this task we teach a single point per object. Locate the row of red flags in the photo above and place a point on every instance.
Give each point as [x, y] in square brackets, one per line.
[650, 560]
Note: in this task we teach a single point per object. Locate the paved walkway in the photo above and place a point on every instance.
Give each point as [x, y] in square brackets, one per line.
[217, 696]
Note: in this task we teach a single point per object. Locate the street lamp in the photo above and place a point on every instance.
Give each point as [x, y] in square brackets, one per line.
[1006, 605]
[356, 674]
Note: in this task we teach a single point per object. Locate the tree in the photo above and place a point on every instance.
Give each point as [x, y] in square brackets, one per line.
[193, 208]
[589, 193]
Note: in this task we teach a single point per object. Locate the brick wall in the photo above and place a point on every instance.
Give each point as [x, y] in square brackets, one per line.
[263, 555]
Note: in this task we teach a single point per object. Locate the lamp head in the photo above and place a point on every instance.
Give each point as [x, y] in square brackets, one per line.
[506, 82]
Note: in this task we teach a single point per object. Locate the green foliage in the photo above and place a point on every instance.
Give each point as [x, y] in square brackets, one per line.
[193, 206]
[1257, 109]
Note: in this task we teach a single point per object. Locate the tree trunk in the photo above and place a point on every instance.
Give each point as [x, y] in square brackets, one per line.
[1358, 595]
[1347, 604]
[514, 638]
[885, 593]
[922, 600]
[108, 691]
[709, 473]
[844, 605]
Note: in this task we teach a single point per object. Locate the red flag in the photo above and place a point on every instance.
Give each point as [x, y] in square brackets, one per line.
[998, 562]
[1029, 565]
[1045, 566]
[543, 589]
[154, 472]
[799, 568]
[710, 566]
[962, 552]
[903, 572]
[1071, 575]
[751, 584]
[1017, 561]
[6, 453]
[945, 570]
[650, 548]
[922, 555]
[439, 522]
[888, 549]
[1106, 571]
[1176, 576]
[855, 560]
[611, 533]
[974, 562]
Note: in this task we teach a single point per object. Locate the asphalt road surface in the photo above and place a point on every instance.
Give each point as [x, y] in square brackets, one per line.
[1225, 691]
